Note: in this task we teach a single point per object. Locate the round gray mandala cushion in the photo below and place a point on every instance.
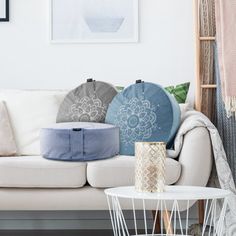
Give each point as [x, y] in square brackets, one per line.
[87, 103]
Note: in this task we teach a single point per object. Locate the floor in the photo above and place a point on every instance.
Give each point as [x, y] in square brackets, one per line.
[56, 233]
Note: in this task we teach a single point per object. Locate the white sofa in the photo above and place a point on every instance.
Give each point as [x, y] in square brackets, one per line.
[30, 182]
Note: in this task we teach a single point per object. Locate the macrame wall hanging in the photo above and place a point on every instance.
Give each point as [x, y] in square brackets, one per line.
[207, 29]
[205, 38]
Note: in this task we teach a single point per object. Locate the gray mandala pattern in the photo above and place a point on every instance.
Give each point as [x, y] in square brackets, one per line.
[87, 109]
[137, 120]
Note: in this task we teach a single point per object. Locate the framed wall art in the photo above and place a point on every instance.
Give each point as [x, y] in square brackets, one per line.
[93, 21]
[4, 10]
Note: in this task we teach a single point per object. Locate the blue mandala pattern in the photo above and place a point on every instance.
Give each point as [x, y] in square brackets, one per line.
[137, 120]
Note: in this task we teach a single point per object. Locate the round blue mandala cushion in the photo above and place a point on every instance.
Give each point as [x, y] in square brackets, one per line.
[144, 112]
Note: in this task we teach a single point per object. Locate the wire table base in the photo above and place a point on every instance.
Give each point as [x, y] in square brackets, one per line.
[170, 210]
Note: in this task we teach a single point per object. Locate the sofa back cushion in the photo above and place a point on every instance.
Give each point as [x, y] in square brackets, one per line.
[7, 139]
[29, 111]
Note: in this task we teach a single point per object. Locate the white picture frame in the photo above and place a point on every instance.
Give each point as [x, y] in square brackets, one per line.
[94, 21]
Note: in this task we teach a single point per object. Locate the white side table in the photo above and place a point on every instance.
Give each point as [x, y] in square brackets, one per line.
[169, 217]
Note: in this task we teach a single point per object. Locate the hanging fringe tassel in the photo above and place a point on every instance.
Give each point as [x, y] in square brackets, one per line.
[230, 106]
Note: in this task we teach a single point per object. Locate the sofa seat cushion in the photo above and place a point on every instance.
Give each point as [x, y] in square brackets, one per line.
[119, 171]
[37, 172]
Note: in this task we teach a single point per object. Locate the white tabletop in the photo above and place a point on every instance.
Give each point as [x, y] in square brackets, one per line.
[171, 193]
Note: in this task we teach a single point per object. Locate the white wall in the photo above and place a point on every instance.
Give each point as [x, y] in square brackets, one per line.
[165, 54]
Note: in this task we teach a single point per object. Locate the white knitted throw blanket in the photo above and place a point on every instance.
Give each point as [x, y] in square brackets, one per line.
[221, 175]
[226, 44]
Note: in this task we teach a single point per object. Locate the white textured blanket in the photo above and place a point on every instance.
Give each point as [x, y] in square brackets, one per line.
[224, 178]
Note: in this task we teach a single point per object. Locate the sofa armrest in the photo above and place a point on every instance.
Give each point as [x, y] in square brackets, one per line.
[196, 158]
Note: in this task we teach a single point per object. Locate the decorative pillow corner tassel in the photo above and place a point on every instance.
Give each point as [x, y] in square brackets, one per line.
[230, 106]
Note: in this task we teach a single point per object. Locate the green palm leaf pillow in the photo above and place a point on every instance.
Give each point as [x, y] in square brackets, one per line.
[120, 88]
[179, 91]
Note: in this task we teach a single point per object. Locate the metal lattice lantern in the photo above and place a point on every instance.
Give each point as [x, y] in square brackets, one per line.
[150, 166]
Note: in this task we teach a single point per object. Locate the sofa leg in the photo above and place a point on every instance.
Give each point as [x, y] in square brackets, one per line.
[167, 222]
[157, 226]
[201, 207]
